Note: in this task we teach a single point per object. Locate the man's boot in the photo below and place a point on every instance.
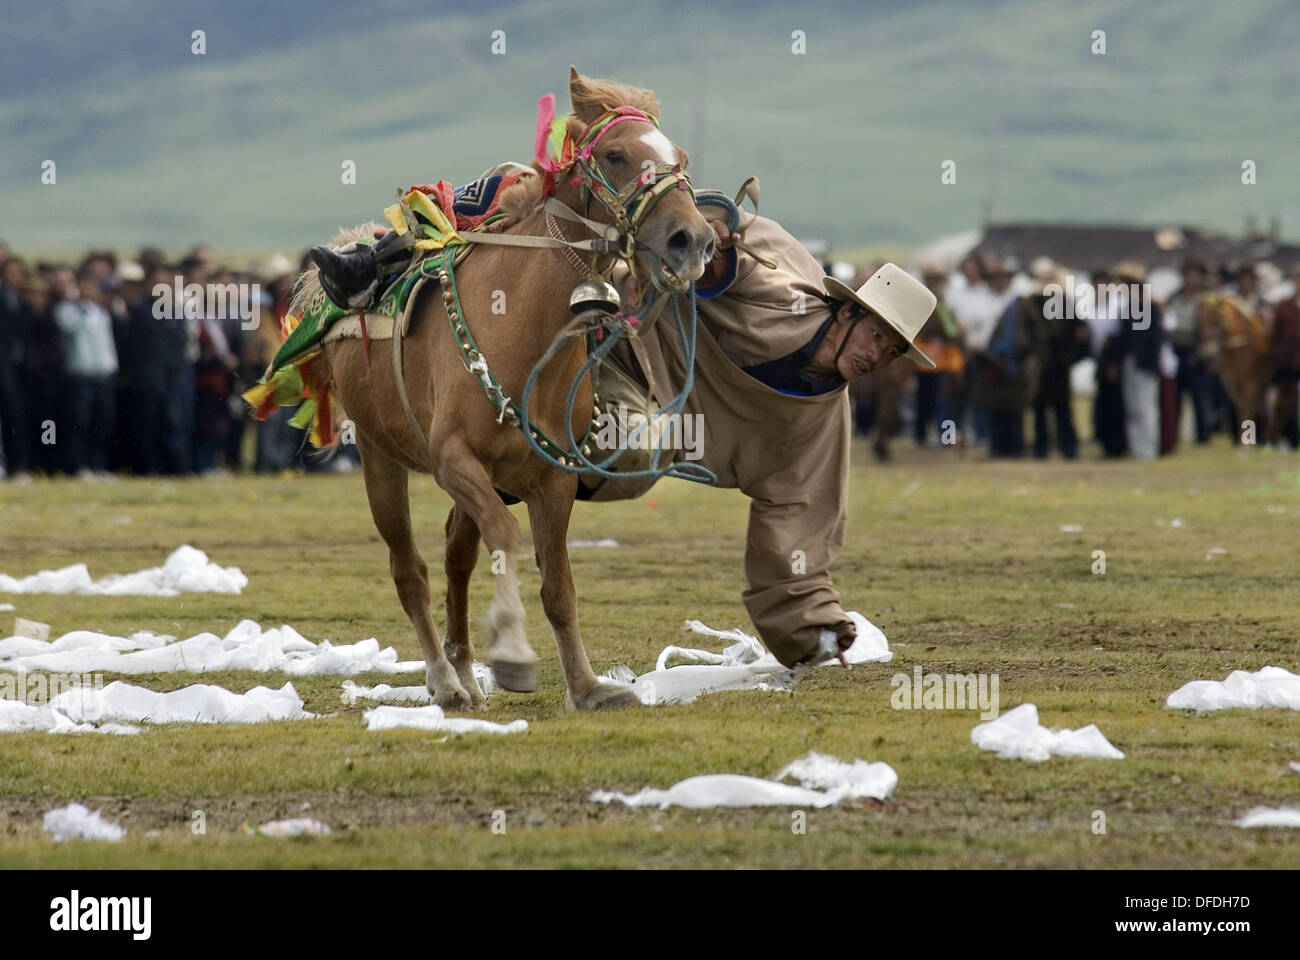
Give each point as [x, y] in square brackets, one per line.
[350, 275]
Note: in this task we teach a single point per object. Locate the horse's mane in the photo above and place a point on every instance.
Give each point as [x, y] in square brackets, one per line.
[587, 96]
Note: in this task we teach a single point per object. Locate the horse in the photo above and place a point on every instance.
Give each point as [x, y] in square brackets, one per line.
[464, 444]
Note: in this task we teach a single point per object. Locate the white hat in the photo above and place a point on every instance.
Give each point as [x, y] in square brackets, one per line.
[898, 298]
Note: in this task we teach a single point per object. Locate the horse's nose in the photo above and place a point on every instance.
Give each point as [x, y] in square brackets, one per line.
[687, 251]
[680, 241]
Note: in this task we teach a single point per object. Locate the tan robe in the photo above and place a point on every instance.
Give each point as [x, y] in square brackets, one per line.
[789, 455]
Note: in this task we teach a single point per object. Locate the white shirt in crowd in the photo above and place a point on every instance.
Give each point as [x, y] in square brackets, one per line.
[1103, 318]
[977, 311]
[88, 349]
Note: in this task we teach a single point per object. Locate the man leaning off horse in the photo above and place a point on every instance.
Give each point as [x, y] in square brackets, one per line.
[775, 352]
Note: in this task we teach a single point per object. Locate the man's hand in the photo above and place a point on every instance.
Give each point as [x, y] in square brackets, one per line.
[845, 636]
[725, 238]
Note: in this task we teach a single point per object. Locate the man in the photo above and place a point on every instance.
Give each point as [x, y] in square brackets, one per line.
[1108, 403]
[13, 415]
[141, 346]
[90, 365]
[1236, 340]
[976, 310]
[775, 352]
[939, 392]
[1140, 337]
[1062, 342]
[1283, 424]
[1004, 374]
[1184, 337]
[42, 383]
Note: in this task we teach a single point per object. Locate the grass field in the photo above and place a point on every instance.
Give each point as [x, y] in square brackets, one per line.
[962, 563]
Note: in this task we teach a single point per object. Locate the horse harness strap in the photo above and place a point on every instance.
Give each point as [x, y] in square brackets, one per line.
[476, 363]
[399, 373]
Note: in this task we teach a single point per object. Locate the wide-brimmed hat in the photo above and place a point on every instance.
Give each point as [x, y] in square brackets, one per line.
[898, 298]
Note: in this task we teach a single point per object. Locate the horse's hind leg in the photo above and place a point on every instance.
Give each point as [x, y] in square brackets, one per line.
[390, 506]
[459, 558]
[462, 475]
[549, 512]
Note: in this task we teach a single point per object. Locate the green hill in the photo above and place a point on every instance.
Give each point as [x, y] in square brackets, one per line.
[242, 147]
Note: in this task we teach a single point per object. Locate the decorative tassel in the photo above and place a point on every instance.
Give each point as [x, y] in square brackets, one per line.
[365, 336]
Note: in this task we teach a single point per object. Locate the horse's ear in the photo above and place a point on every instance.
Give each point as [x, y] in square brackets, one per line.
[590, 98]
[584, 99]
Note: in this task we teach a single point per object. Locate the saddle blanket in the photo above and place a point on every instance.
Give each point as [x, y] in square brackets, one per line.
[474, 206]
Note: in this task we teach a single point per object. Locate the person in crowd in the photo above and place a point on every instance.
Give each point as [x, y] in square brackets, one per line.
[1283, 425]
[1062, 342]
[1004, 376]
[1103, 329]
[1140, 334]
[214, 376]
[975, 308]
[142, 349]
[13, 416]
[90, 368]
[42, 374]
[940, 393]
[1185, 337]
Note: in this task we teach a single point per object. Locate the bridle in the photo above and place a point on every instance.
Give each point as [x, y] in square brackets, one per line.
[557, 153]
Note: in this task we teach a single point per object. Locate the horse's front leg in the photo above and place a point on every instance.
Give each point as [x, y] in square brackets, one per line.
[548, 512]
[463, 476]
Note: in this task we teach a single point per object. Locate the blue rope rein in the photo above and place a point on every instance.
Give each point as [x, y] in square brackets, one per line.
[576, 459]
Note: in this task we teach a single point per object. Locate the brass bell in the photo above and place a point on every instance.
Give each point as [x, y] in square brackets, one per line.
[594, 295]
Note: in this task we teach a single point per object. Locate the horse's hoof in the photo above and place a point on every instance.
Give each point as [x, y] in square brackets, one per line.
[446, 688]
[519, 677]
[607, 696]
[456, 699]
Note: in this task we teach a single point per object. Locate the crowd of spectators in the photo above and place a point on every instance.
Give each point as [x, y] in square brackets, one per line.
[97, 379]
[98, 375]
[1017, 344]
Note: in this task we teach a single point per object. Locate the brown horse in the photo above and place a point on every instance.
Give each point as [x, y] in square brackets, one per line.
[469, 452]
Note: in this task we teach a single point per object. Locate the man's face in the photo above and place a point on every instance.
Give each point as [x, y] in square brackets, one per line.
[88, 285]
[872, 345]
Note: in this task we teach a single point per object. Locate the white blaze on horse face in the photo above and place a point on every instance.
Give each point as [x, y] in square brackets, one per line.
[664, 150]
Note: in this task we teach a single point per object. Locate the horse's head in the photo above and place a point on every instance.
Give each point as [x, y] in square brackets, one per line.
[630, 175]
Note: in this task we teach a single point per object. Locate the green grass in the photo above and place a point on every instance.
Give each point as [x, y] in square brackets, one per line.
[961, 562]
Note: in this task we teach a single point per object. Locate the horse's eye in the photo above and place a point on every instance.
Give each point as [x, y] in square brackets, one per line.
[614, 157]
